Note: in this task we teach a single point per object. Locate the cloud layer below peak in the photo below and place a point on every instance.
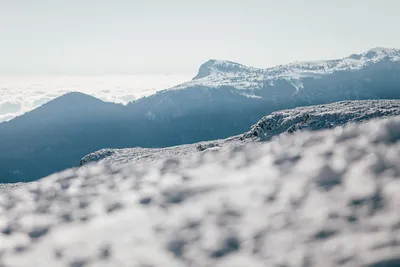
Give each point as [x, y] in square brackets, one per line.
[20, 94]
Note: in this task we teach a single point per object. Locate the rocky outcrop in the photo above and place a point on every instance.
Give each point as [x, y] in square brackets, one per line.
[320, 117]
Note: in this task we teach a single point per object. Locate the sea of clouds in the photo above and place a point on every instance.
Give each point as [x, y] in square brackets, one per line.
[20, 94]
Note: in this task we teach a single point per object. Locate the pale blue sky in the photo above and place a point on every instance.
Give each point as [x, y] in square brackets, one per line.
[142, 36]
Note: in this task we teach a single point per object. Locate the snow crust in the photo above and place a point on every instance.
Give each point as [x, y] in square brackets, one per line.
[326, 198]
[219, 73]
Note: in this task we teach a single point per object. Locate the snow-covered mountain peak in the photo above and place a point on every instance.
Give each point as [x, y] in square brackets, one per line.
[217, 73]
[384, 50]
[217, 67]
[376, 54]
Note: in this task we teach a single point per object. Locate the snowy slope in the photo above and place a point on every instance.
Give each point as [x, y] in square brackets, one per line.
[319, 117]
[304, 118]
[217, 73]
[327, 198]
[147, 155]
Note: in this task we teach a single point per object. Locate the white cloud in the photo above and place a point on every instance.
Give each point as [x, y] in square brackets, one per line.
[19, 94]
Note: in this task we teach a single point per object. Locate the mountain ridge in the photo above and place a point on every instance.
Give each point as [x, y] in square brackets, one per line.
[213, 70]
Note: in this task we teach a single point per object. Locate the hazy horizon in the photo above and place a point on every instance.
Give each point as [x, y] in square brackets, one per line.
[122, 50]
[135, 37]
[22, 93]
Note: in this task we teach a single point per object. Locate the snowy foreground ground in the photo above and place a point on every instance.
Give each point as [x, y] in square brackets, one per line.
[327, 198]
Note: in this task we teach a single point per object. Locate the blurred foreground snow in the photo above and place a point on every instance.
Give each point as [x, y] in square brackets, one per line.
[327, 198]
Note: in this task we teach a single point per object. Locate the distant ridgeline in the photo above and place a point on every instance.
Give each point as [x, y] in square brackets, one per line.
[224, 99]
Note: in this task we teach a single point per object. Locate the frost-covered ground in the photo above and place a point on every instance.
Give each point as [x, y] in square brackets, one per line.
[319, 117]
[19, 94]
[286, 121]
[327, 198]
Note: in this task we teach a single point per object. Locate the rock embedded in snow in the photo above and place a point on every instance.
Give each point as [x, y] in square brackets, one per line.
[327, 198]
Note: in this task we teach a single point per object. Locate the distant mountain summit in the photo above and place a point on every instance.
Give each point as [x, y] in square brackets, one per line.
[228, 87]
[73, 106]
[220, 67]
[76, 96]
[216, 73]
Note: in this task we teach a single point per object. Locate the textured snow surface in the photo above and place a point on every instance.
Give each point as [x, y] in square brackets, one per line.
[9, 187]
[216, 73]
[328, 198]
[286, 121]
[319, 117]
[140, 155]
